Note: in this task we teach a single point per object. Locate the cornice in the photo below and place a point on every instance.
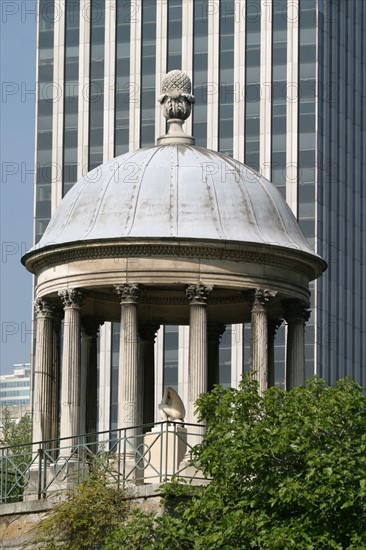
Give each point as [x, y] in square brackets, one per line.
[295, 260]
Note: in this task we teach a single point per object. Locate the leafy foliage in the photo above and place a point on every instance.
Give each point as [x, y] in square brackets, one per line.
[16, 436]
[288, 470]
[87, 517]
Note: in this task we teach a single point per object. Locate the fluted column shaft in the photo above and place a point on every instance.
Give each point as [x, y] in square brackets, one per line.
[296, 314]
[56, 376]
[197, 367]
[259, 337]
[214, 333]
[130, 376]
[44, 407]
[70, 388]
[147, 334]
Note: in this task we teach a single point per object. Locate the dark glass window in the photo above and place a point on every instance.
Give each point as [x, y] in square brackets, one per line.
[124, 89]
[171, 345]
[71, 90]
[44, 116]
[200, 60]
[174, 45]
[96, 101]
[252, 80]
[226, 76]
[148, 60]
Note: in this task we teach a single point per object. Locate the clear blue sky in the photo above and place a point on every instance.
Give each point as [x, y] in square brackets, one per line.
[18, 74]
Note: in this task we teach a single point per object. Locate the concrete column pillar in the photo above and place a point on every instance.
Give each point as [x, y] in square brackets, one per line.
[147, 333]
[197, 367]
[214, 333]
[45, 406]
[56, 375]
[70, 389]
[273, 325]
[130, 376]
[296, 313]
[259, 337]
[89, 375]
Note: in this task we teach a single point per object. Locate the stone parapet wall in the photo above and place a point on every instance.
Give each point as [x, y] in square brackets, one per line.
[19, 520]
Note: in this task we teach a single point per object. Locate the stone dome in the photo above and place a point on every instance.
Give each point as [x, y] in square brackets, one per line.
[172, 194]
[174, 191]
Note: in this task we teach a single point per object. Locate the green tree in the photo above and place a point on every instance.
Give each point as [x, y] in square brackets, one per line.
[288, 471]
[15, 434]
[88, 515]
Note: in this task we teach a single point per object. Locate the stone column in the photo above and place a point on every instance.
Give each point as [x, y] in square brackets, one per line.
[70, 390]
[147, 332]
[130, 377]
[296, 313]
[197, 368]
[214, 333]
[44, 407]
[89, 376]
[56, 375]
[273, 325]
[259, 337]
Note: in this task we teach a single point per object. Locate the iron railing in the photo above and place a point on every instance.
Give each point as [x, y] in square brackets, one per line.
[142, 454]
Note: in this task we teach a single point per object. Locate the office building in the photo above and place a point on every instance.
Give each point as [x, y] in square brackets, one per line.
[15, 391]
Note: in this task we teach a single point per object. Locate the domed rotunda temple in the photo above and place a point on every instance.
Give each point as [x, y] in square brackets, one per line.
[169, 234]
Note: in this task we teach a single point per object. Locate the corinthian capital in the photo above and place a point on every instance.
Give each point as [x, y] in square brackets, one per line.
[129, 293]
[46, 307]
[261, 298]
[296, 310]
[198, 294]
[71, 297]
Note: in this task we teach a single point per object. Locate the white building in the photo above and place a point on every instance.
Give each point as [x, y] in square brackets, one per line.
[15, 391]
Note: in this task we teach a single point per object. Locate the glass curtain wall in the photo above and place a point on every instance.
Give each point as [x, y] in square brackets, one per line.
[44, 117]
[226, 76]
[71, 93]
[148, 59]
[96, 85]
[124, 88]
[279, 94]
[170, 356]
[174, 45]
[200, 63]
[252, 82]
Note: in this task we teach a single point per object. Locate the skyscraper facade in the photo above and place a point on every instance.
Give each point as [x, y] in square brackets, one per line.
[279, 85]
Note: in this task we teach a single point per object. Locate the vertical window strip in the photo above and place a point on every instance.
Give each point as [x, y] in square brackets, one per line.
[252, 82]
[170, 356]
[96, 87]
[44, 117]
[279, 94]
[148, 62]
[226, 77]
[174, 50]
[200, 71]
[124, 88]
[71, 92]
[306, 113]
